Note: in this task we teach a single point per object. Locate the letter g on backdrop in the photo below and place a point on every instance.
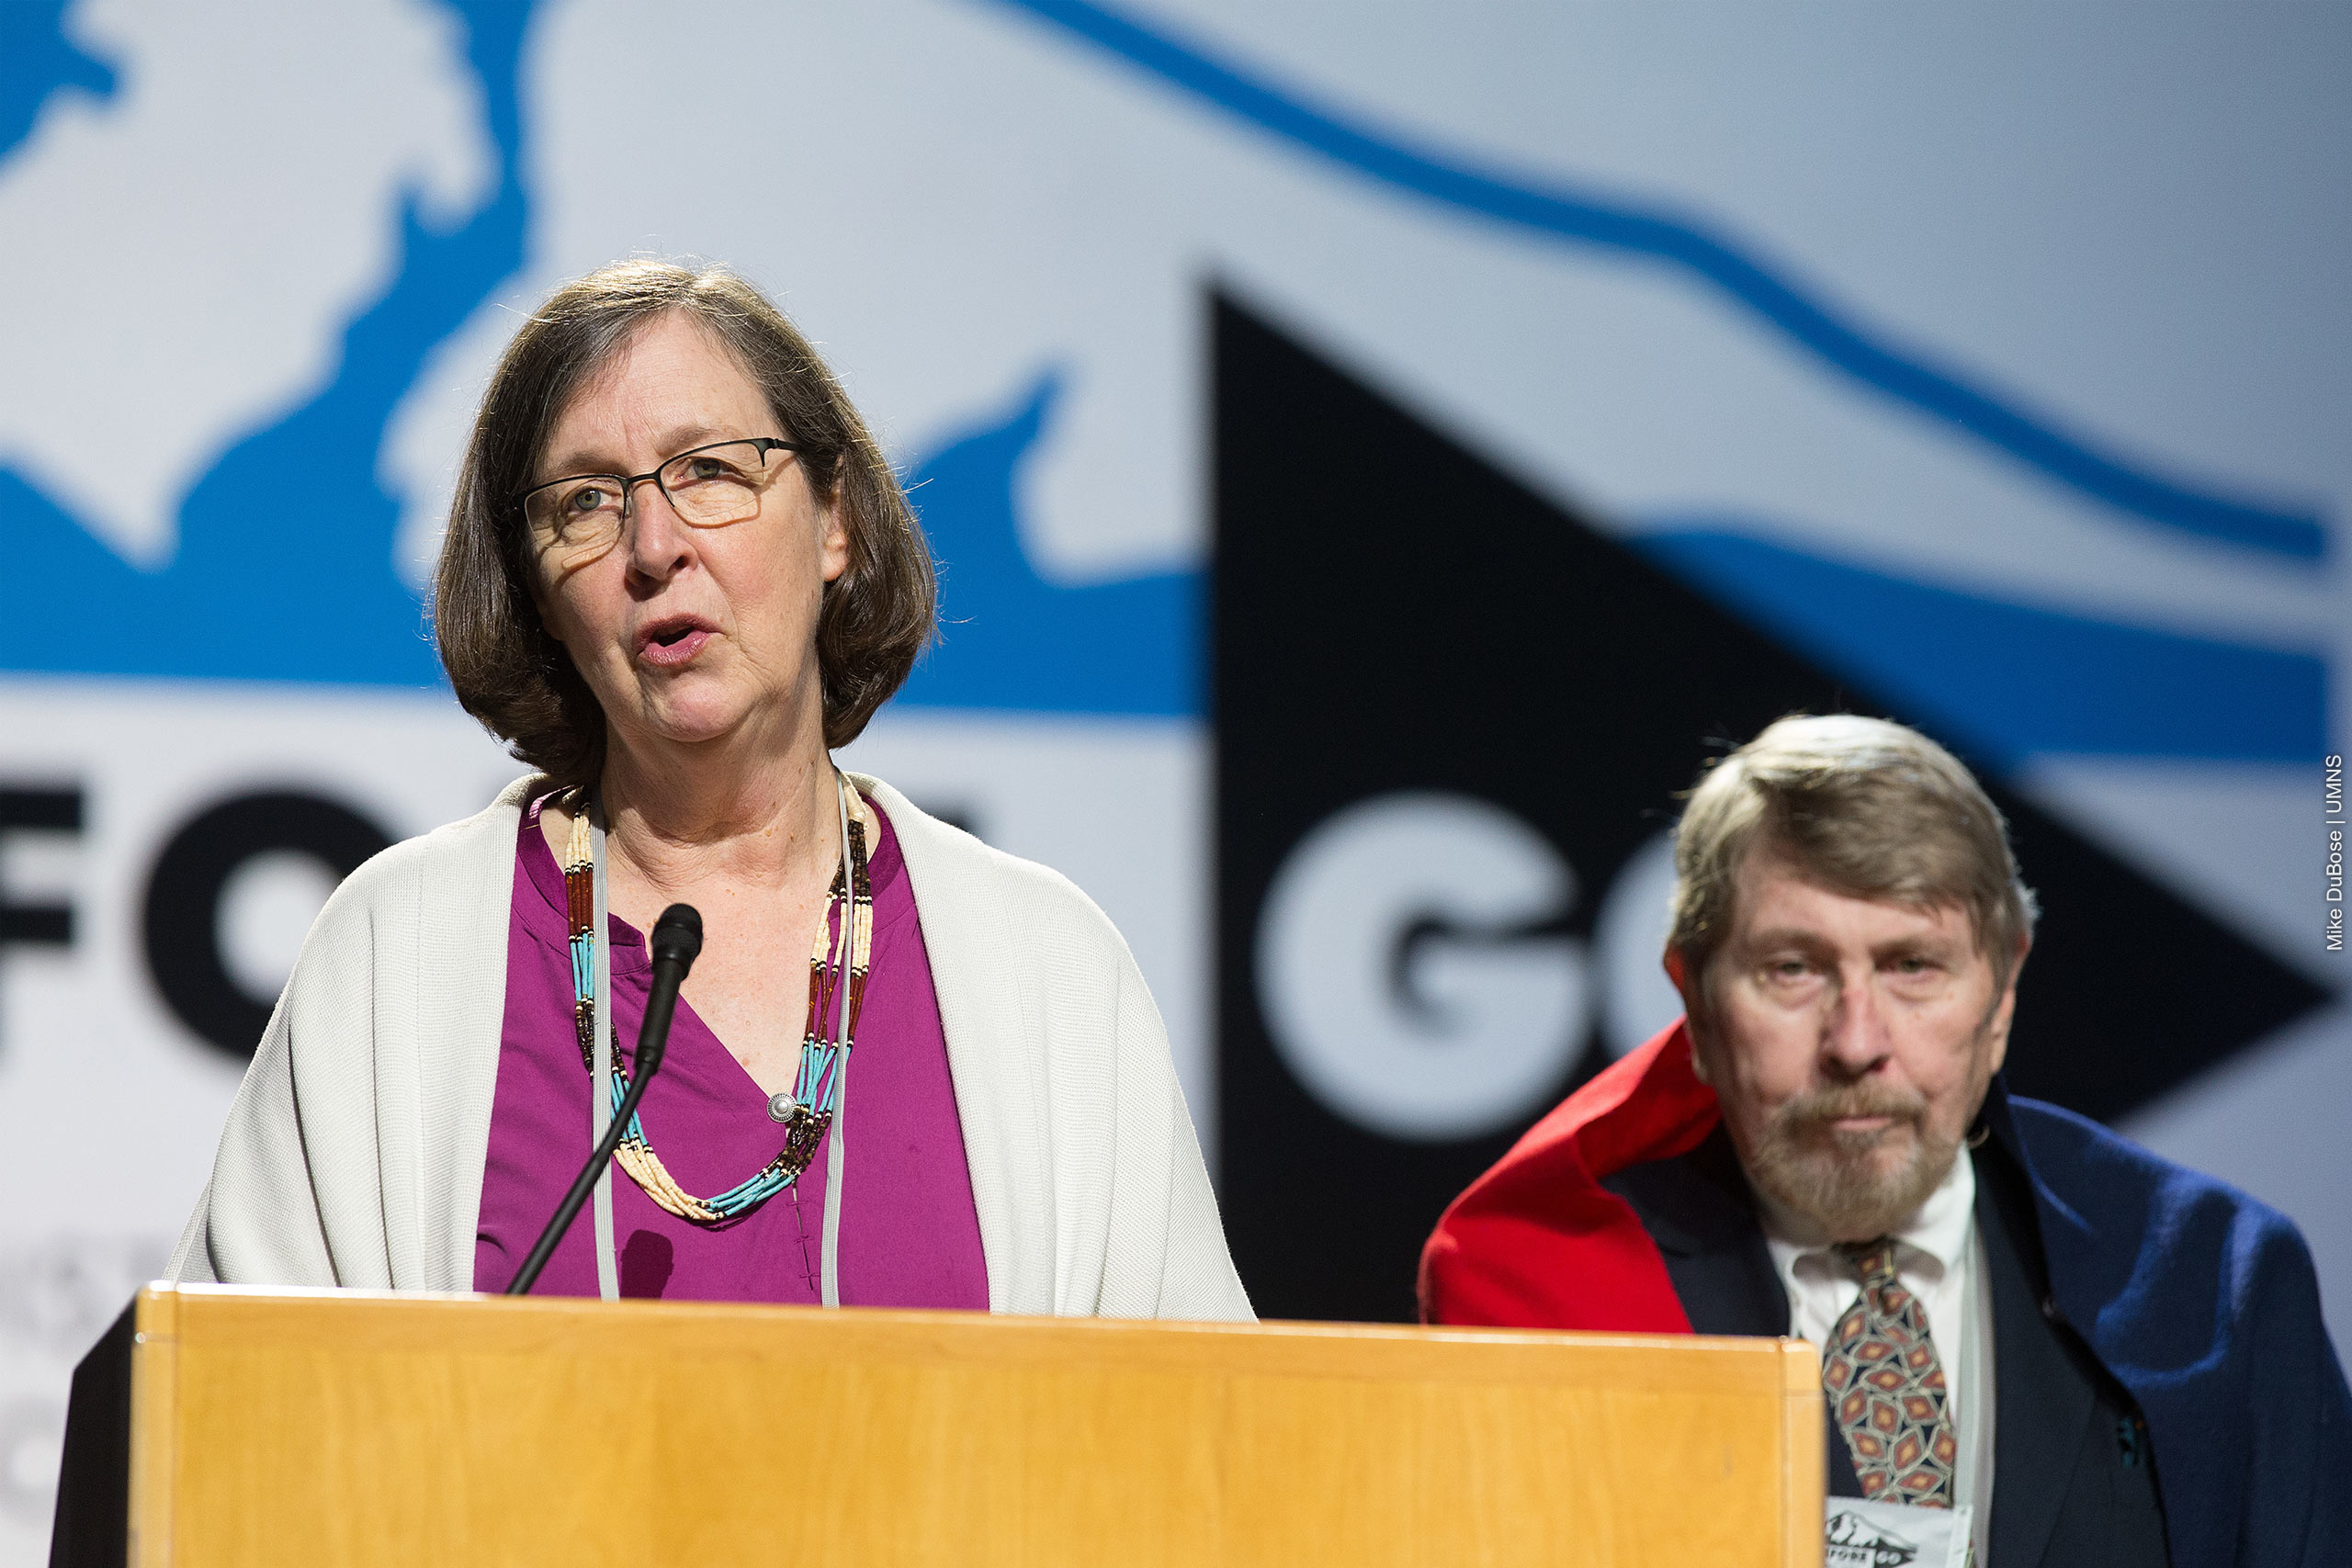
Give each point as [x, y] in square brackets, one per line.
[1417, 972]
[1413, 969]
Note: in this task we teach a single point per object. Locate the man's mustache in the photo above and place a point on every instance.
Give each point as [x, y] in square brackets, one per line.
[1817, 1108]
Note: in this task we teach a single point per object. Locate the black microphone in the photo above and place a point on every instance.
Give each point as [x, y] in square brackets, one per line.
[677, 940]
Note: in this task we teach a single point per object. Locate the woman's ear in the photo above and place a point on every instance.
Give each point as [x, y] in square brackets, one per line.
[833, 543]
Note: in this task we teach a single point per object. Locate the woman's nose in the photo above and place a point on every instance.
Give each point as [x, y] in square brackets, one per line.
[659, 540]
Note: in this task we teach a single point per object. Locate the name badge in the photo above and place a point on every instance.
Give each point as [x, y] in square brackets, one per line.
[1893, 1535]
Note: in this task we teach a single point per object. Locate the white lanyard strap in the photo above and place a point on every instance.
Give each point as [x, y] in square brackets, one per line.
[600, 1078]
[835, 1156]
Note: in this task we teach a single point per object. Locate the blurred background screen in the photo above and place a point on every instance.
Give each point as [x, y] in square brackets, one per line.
[1376, 452]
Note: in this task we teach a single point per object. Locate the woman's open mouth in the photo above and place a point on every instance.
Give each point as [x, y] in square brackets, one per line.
[671, 643]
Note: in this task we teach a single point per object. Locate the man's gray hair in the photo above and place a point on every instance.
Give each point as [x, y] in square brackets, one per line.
[1860, 805]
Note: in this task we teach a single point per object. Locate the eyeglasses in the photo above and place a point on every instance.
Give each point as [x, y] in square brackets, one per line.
[708, 487]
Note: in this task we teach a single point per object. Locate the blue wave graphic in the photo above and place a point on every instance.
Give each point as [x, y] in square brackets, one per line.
[266, 588]
[1455, 182]
[284, 569]
[280, 581]
[36, 60]
[1010, 639]
[2009, 681]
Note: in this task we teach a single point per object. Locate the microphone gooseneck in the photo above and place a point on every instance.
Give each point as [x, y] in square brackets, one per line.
[676, 942]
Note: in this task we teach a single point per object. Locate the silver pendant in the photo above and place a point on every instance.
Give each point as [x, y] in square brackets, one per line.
[781, 1106]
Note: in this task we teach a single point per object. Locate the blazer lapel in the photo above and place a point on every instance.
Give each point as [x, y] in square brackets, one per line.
[441, 1015]
[985, 1017]
[1698, 1209]
[2040, 1403]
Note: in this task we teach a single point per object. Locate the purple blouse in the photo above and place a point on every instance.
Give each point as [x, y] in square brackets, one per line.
[911, 1235]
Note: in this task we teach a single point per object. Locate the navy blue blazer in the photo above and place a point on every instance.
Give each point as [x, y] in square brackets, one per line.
[2162, 1376]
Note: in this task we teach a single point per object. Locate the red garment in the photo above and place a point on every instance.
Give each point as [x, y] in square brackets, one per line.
[1538, 1242]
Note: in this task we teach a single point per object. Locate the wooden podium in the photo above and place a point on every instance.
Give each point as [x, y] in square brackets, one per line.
[335, 1427]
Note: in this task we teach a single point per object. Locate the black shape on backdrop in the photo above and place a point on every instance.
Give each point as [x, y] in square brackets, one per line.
[36, 922]
[181, 913]
[1392, 613]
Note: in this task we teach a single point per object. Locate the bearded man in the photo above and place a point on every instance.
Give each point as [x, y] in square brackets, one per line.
[2109, 1359]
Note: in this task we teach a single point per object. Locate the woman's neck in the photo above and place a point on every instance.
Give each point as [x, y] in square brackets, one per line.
[680, 820]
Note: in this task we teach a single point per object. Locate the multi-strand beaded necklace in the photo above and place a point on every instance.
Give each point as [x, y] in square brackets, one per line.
[843, 950]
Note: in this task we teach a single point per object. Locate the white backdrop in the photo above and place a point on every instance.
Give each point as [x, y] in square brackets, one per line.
[2043, 308]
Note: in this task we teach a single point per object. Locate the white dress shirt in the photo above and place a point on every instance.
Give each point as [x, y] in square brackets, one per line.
[1940, 1259]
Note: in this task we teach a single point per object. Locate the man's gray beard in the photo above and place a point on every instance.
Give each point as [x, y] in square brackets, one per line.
[1805, 1164]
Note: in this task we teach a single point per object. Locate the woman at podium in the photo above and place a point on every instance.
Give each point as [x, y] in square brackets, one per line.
[906, 1069]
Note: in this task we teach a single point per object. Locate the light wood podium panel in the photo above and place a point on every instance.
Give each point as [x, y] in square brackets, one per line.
[341, 1427]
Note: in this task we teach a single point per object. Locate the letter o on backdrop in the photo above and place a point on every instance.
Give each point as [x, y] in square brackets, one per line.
[1629, 934]
[1399, 974]
[182, 918]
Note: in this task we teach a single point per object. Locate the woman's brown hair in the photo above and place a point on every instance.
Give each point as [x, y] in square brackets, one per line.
[877, 617]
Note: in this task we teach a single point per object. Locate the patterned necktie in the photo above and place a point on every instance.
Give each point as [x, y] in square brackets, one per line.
[1887, 1387]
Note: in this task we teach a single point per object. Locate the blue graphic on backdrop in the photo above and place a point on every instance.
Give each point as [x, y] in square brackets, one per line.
[284, 569]
[1012, 640]
[36, 60]
[2007, 680]
[264, 587]
[1803, 317]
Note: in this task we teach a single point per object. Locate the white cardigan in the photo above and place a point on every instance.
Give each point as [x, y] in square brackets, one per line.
[353, 1153]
